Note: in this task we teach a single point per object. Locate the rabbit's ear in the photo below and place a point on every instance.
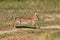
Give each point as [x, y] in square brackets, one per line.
[35, 14]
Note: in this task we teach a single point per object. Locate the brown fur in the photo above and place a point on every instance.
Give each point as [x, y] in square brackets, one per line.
[23, 20]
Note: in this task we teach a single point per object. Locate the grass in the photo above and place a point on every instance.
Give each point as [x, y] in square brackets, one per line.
[46, 34]
[40, 5]
[23, 32]
[9, 9]
[9, 25]
[51, 22]
[53, 36]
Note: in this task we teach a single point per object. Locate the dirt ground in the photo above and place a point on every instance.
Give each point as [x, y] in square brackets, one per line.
[16, 29]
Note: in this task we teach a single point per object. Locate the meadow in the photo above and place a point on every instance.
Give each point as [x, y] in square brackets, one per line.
[46, 9]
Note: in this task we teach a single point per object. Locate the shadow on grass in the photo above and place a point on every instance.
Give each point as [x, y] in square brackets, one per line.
[25, 27]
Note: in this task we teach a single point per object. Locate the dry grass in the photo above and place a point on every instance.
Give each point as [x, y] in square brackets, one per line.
[10, 9]
[46, 9]
[36, 34]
